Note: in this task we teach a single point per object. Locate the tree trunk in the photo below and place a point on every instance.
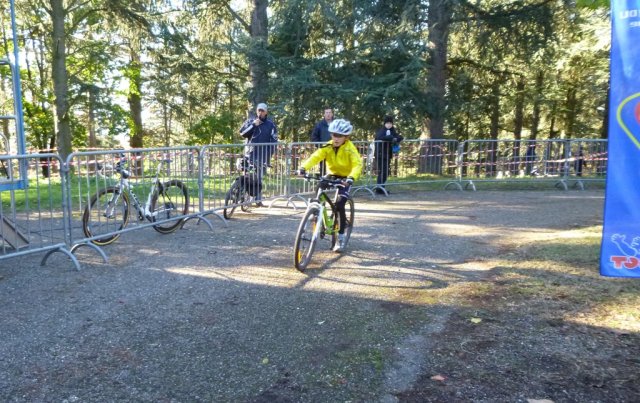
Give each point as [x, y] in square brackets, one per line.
[59, 76]
[439, 20]
[166, 124]
[257, 62]
[494, 127]
[571, 110]
[604, 130]
[134, 99]
[537, 101]
[93, 141]
[518, 125]
[553, 133]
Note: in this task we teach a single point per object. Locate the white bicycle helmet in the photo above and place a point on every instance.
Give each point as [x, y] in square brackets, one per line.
[340, 126]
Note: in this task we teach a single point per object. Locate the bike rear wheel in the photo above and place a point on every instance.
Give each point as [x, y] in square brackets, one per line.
[169, 202]
[106, 213]
[306, 238]
[350, 211]
[233, 198]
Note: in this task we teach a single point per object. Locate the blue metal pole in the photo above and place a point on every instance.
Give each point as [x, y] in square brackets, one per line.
[17, 90]
[21, 140]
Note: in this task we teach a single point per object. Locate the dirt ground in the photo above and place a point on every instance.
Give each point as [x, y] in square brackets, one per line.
[441, 296]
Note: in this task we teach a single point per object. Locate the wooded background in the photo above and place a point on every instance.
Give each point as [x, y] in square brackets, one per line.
[165, 73]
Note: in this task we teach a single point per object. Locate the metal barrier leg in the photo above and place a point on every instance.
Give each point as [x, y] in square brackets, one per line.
[201, 217]
[562, 184]
[63, 250]
[456, 184]
[95, 247]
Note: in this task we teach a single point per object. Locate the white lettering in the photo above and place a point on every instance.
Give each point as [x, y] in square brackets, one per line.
[629, 14]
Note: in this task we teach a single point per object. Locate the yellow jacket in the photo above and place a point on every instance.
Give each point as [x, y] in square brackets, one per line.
[344, 161]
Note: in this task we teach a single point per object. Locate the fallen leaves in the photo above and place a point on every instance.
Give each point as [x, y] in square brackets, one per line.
[438, 378]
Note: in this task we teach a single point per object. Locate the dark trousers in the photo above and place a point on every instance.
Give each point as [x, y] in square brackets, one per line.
[382, 162]
[343, 195]
[340, 203]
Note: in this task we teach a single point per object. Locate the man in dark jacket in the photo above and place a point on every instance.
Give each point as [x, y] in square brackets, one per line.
[261, 136]
[320, 132]
[386, 137]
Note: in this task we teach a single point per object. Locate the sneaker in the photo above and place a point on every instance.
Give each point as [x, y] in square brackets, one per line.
[339, 247]
[259, 204]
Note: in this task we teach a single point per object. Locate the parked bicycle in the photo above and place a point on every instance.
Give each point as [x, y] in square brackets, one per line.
[321, 219]
[108, 210]
[244, 188]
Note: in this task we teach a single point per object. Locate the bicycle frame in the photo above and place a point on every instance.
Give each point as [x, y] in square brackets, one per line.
[319, 202]
[326, 218]
[249, 171]
[124, 184]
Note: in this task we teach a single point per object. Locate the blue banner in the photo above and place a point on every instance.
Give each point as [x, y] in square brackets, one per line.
[620, 252]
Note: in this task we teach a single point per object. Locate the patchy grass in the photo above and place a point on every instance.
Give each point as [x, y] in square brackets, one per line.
[543, 324]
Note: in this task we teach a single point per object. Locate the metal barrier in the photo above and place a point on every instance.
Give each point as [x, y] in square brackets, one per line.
[34, 218]
[222, 164]
[300, 189]
[544, 161]
[417, 162]
[587, 161]
[139, 174]
[47, 213]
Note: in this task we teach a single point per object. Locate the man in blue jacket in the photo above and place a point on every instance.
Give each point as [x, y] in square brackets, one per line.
[320, 133]
[261, 136]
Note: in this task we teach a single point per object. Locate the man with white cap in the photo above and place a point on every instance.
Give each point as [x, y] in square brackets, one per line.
[263, 134]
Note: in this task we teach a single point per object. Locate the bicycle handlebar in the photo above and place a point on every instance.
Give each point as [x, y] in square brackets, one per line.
[323, 180]
[120, 166]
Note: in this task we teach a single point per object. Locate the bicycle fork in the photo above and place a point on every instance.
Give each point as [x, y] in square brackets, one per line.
[324, 227]
[109, 211]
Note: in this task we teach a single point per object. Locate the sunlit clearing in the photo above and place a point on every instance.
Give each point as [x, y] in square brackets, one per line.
[617, 315]
[380, 282]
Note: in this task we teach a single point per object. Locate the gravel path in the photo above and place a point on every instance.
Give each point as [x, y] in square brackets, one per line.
[221, 315]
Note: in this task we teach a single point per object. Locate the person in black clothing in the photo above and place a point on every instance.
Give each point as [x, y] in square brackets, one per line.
[321, 133]
[261, 136]
[386, 138]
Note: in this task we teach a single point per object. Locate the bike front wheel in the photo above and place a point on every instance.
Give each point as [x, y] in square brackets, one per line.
[169, 204]
[306, 238]
[106, 213]
[350, 211]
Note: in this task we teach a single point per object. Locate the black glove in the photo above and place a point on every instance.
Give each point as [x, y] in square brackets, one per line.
[302, 172]
[349, 180]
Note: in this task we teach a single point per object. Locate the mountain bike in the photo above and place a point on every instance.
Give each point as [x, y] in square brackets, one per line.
[244, 188]
[321, 220]
[108, 210]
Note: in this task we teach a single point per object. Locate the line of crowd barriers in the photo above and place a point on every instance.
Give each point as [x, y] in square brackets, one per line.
[43, 197]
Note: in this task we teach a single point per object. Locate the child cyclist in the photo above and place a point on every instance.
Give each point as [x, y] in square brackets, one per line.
[343, 162]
